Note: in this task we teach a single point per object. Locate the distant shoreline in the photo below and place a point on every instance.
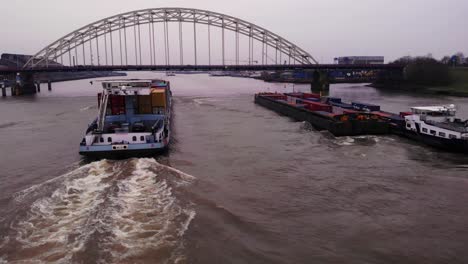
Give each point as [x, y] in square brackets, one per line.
[458, 87]
[415, 89]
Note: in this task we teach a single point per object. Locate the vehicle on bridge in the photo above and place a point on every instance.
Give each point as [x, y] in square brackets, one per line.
[134, 120]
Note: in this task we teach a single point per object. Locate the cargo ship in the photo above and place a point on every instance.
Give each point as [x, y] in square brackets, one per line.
[436, 126]
[326, 113]
[133, 120]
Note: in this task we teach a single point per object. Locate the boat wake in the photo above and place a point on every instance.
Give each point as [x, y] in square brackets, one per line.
[356, 140]
[105, 212]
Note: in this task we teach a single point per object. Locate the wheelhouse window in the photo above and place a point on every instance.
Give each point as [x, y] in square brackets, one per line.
[101, 139]
[109, 139]
[142, 138]
[433, 132]
[134, 138]
[408, 125]
[424, 130]
[441, 134]
[452, 136]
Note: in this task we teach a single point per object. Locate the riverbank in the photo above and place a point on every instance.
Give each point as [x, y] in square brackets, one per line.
[458, 87]
[72, 76]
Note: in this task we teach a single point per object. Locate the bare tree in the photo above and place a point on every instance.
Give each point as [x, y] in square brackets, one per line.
[445, 60]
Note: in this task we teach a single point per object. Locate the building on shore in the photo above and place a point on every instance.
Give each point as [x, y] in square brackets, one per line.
[360, 60]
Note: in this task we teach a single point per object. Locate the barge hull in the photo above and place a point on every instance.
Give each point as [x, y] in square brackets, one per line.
[452, 145]
[123, 154]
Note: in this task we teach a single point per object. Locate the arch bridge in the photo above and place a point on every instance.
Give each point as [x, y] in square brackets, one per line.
[163, 37]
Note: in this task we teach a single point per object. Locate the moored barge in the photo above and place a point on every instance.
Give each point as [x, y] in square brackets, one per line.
[323, 115]
[436, 126]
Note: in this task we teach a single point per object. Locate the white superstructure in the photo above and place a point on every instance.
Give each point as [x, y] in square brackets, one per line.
[437, 121]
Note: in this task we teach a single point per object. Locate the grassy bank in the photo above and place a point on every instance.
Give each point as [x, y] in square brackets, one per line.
[458, 86]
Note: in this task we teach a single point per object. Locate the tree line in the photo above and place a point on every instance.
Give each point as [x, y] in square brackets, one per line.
[425, 70]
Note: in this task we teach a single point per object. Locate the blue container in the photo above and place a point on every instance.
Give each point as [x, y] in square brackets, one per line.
[365, 107]
[334, 99]
[342, 105]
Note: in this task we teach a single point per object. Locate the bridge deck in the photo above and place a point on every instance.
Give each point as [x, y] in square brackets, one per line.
[204, 68]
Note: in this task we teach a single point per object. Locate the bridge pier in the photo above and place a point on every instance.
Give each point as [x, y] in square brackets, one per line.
[24, 84]
[320, 83]
[38, 85]
[49, 85]
[3, 90]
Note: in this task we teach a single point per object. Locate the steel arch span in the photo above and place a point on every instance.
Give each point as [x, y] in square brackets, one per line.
[107, 42]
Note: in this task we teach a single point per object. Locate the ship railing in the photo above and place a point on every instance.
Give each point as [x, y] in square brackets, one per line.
[158, 124]
[158, 129]
[102, 112]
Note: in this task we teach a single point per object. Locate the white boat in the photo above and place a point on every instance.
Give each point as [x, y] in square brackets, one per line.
[437, 126]
[133, 120]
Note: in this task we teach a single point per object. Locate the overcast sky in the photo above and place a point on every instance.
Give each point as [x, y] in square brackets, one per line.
[324, 28]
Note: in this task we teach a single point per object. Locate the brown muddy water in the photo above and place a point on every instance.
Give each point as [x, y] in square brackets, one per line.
[240, 184]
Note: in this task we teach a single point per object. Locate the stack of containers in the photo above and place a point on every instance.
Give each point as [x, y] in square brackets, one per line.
[316, 106]
[144, 105]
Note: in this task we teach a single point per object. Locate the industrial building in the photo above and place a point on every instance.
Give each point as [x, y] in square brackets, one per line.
[360, 60]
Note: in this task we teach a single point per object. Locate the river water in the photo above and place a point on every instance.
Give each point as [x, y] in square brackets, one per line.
[240, 184]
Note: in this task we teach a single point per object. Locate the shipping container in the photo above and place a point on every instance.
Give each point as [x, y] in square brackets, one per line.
[311, 95]
[340, 110]
[313, 106]
[304, 101]
[117, 104]
[342, 105]
[158, 98]
[334, 100]
[365, 107]
[144, 104]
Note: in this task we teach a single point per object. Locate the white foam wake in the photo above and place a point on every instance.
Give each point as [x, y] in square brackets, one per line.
[51, 221]
[119, 212]
[150, 220]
